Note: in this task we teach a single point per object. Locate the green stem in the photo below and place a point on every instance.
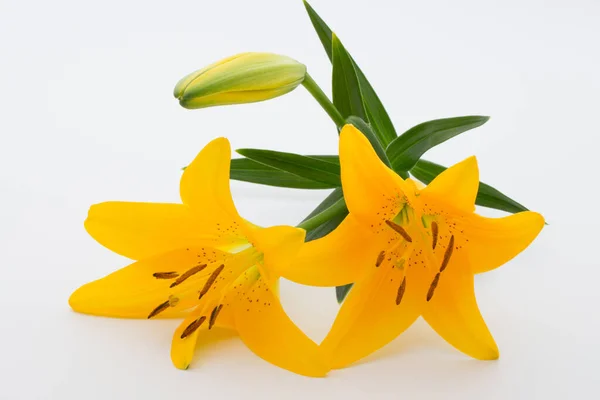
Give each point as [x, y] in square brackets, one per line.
[314, 89]
[332, 211]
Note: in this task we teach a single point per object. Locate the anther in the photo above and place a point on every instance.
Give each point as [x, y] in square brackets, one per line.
[211, 279]
[433, 286]
[213, 315]
[401, 291]
[399, 229]
[161, 307]
[434, 232]
[447, 254]
[380, 258]
[193, 327]
[165, 275]
[187, 274]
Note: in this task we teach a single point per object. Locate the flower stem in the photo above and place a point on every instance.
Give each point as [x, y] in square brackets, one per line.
[336, 209]
[314, 89]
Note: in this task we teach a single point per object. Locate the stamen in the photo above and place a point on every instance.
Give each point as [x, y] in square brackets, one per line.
[211, 280]
[193, 327]
[433, 286]
[380, 258]
[447, 254]
[162, 307]
[187, 274]
[399, 229]
[165, 275]
[213, 315]
[401, 291]
[434, 232]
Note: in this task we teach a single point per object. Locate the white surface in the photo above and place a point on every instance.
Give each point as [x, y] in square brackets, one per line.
[87, 116]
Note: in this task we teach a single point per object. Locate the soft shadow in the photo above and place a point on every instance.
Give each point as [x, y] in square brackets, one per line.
[418, 336]
[209, 341]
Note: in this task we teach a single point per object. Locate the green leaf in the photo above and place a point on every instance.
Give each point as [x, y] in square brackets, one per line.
[407, 149]
[333, 159]
[368, 132]
[346, 90]
[302, 166]
[330, 200]
[487, 196]
[325, 34]
[375, 112]
[244, 169]
[342, 291]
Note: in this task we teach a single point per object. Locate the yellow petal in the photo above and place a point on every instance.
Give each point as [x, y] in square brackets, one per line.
[341, 257]
[141, 230]
[135, 291]
[205, 189]
[377, 310]
[369, 186]
[196, 324]
[266, 329]
[457, 186]
[453, 312]
[279, 244]
[494, 241]
[205, 182]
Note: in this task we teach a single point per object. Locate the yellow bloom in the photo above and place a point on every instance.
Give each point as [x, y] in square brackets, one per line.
[200, 259]
[411, 252]
[243, 78]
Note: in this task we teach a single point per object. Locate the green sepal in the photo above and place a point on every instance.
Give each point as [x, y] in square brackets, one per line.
[375, 111]
[302, 166]
[407, 149]
[487, 196]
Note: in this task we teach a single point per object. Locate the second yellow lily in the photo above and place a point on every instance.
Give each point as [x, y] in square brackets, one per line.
[411, 253]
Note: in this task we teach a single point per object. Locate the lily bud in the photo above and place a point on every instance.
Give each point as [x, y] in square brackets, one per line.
[243, 78]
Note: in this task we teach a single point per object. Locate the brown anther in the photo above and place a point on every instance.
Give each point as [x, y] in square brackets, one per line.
[447, 254]
[162, 307]
[165, 275]
[433, 286]
[380, 258]
[434, 232]
[401, 291]
[211, 279]
[193, 327]
[400, 230]
[213, 315]
[187, 274]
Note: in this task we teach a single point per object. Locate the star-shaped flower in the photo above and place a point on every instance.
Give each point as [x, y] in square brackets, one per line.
[411, 252]
[201, 260]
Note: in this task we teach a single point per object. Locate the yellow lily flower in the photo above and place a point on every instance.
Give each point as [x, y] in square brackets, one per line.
[201, 260]
[411, 252]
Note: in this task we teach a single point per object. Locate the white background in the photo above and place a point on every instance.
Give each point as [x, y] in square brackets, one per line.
[87, 115]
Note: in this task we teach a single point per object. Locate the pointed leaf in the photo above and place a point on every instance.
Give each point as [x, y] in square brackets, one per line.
[487, 196]
[375, 112]
[408, 148]
[346, 90]
[244, 169]
[303, 166]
